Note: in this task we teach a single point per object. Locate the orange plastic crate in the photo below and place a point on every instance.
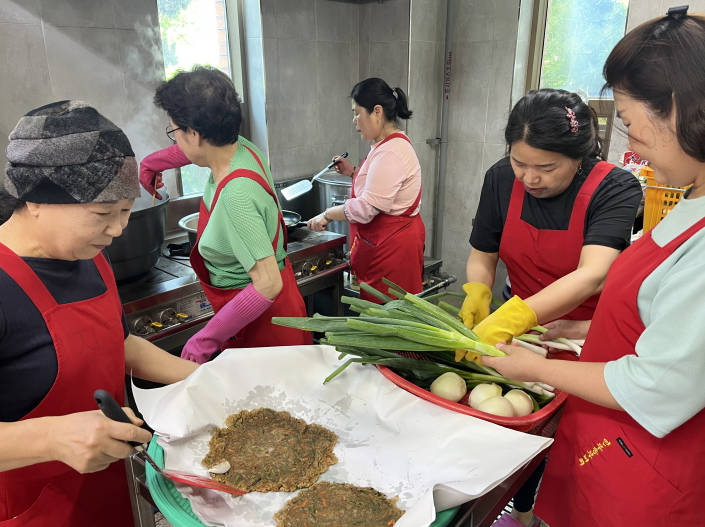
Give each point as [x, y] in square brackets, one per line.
[658, 199]
[543, 422]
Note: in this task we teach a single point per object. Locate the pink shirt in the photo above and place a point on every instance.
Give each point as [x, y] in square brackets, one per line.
[389, 181]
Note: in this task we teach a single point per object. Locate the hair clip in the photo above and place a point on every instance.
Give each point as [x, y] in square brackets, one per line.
[394, 92]
[677, 12]
[570, 115]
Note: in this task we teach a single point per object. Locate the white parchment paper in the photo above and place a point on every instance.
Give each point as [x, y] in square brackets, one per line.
[388, 438]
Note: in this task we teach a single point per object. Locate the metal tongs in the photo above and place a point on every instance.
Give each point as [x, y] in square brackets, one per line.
[112, 410]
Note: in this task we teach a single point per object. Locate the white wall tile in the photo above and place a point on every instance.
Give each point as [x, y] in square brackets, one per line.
[135, 14]
[293, 122]
[84, 64]
[354, 66]
[364, 60]
[390, 61]
[456, 249]
[268, 12]
[12, 12]
[463, 183]
[474, 21]
[296, 19]
[428, 20]
[333, 22]
[642, 10]
[333, 69]
[78, 13]
[471, 70]
[425, 86]
[491, 153]
[387, 22]
[143, 70]
[506, 20]
[27, 87]
[500, 95]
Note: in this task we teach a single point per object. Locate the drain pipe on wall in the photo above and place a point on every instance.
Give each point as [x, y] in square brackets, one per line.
[443, 154]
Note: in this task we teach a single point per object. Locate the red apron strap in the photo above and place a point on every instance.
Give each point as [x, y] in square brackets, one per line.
[249, 174]
[352, 189]
[27, 279]
[413, 207]
[106, 272]
[388, 138]
[270, 191]
[582, 201]
[259, 162]
[516, 201]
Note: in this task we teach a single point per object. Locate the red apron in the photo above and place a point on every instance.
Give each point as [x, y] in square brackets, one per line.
[90, 350]
[604, 468]
[389, 247]
[260, 332]
[535, 258]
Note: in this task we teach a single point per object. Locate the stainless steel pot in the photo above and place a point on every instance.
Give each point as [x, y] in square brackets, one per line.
[139, 247]
[190, 225]
[335, 190]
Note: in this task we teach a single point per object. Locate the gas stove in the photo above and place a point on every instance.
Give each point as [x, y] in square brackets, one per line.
[168, 305]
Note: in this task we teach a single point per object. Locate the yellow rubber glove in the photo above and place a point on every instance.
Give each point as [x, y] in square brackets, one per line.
[476, 306]
[514, 318]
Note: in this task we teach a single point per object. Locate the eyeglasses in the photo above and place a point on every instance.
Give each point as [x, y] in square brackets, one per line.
[170, 132]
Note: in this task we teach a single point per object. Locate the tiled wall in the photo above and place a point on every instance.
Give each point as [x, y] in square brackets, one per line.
[485, 36]
[384, 47]
[310, 50]
[426, 50]
[104, 52]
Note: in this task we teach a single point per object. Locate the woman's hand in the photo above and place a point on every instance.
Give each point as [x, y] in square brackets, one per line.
[569, 329]
[151, 181]
[520, 364]
[89, 441]
[343, 166]
[318, 223]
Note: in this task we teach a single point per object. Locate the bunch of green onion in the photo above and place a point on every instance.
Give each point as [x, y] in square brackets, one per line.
[412, 324]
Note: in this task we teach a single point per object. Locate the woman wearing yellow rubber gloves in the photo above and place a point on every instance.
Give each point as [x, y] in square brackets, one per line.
[558, 217]
[554, 213]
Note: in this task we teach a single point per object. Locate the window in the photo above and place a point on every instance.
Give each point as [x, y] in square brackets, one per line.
[570, 41]
[195, 32]
[579, 35]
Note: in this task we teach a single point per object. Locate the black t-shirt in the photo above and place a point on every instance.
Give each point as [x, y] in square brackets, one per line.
[28, 364]
[608, 221]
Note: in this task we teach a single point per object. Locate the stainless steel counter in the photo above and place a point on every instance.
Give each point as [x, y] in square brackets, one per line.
[169, 300]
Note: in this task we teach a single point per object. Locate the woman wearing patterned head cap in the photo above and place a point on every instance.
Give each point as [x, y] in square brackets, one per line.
[71, 180]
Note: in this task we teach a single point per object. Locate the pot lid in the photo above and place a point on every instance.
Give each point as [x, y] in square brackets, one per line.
[331, 177]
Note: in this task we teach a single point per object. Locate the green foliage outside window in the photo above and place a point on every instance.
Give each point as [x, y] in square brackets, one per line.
[579, 36]
[189, 34]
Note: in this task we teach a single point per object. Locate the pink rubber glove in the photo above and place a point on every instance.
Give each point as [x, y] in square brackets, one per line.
[235, 315]
[154, 164]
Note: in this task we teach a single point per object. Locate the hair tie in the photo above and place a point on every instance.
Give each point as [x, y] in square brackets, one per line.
[677, 12]
[570, 115]
[394, 92]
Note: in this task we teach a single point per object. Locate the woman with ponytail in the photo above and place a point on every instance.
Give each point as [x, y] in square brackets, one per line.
[387, 234]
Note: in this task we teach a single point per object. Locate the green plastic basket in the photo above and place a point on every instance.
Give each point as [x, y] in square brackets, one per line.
[177, 509]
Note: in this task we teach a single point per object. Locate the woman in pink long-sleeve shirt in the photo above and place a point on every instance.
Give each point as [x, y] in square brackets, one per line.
[387, 234]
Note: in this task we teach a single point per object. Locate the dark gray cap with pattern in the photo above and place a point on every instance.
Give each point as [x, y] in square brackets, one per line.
[67, 152]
